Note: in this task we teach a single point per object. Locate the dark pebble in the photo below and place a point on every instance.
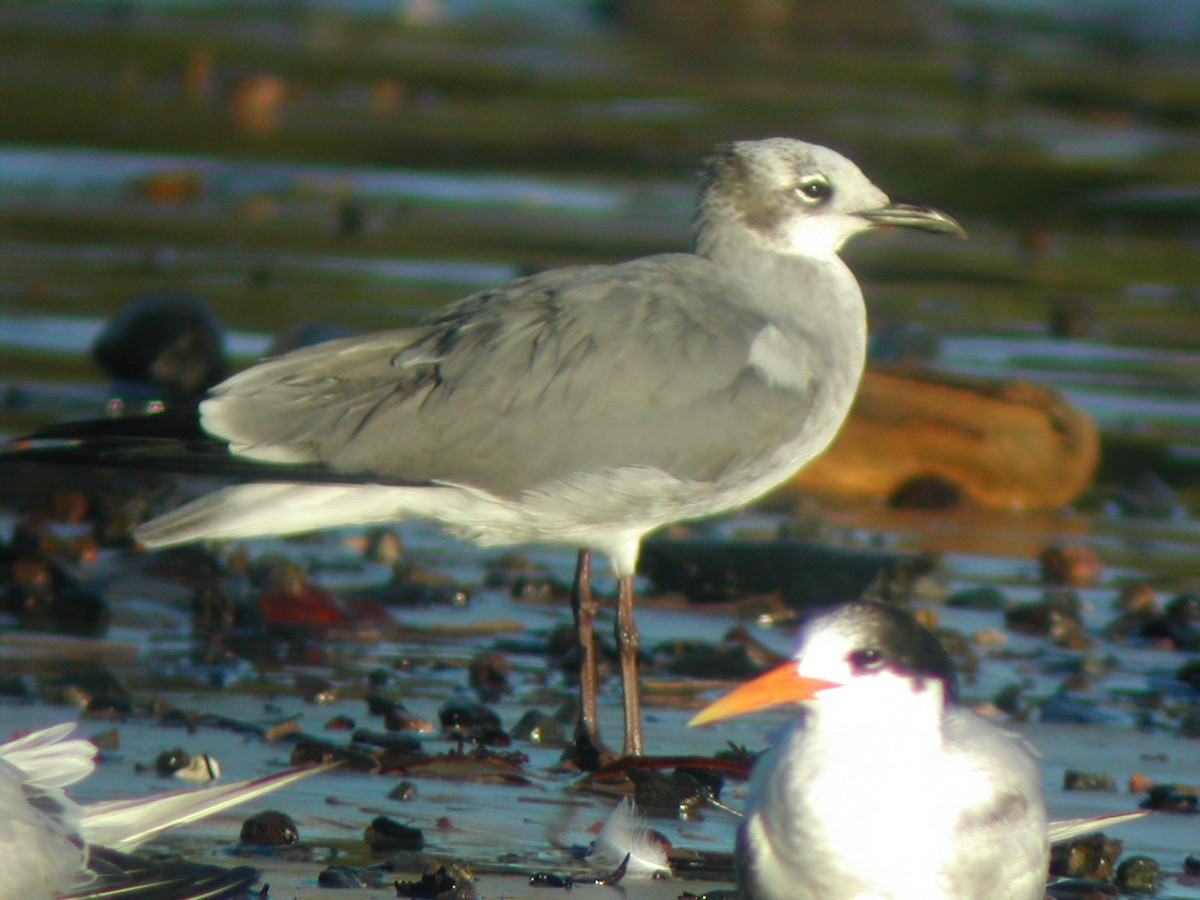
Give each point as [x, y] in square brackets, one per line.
[1070, 566]
[1169, 798]
[380, 705]
[310, 750]
[1094, 857]
[489, 673]
[270, 828]
[404, 791]
[1138, 875]
[347, 877]
[171, 761]
[169, 340]
[677, 794]
[981, 599]
[472, 722]
[439, 885]
[316, 689]
[695, 659]
[399, 742]
[550, 880]
[540, 728]
[386, 835]
[1088, 781]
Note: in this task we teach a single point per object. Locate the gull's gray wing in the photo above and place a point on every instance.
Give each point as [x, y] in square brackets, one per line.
[644, 363]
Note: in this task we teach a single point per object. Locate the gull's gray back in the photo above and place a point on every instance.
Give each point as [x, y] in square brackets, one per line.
[575, 370]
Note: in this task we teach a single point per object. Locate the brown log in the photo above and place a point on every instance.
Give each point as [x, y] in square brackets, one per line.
[1001, 444]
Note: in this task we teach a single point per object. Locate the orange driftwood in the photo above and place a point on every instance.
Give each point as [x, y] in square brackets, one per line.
[1003, 444]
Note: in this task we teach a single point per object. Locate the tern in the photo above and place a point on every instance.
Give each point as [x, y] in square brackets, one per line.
[51, 845]
[581, 407]
[884, 788]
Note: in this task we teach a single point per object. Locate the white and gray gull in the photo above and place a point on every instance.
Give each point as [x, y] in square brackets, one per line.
[883, 788]
[582, 406]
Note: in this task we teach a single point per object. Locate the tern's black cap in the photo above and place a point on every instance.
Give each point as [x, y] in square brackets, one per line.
[887, 637]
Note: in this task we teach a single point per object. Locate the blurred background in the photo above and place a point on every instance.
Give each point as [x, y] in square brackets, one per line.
[312, 167]
[188, 185]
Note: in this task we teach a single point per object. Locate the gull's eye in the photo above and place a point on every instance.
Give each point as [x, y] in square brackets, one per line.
[867, 660]
[813, 190]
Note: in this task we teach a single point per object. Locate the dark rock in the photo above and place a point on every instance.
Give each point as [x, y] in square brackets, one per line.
[95, 691]
[1056, 617]
[695, 659]
[43, 596]
[316, 688]
[1011, 701]
[1170, 798]
[380, 705]
[171, 761]
[1093, 857]
[539, 728]
[1138, 875]
[584, 753]
[804, 573]
[1088, 781]
[489, 675]
[412, 587]
[399, 742]
[451, 884]
[1184, 608]
[349, 877]
[169, 342]
[472, 722]
[309, 750]
[551, 880]
[676, 794]
[1148, 497]
[385, 835]
[404, 791]
[982, 599]
[270, 828]
[1070, 566]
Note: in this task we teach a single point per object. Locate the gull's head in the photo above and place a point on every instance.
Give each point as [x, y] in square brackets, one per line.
[797, 199]
[860, 648]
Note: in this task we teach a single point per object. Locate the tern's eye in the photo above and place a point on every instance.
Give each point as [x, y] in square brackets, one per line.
[813, 190]
[867, 660]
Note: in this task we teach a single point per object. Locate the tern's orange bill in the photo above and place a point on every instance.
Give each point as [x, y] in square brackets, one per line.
[774, 688]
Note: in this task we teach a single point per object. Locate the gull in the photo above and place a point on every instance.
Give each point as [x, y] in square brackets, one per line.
[54, 847]
[581, 407]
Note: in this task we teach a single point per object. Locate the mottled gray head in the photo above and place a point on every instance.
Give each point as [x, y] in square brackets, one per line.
[796, 199]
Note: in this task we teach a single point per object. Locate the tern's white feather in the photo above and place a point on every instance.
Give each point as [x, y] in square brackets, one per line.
[1069, 829]
[625, 834]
